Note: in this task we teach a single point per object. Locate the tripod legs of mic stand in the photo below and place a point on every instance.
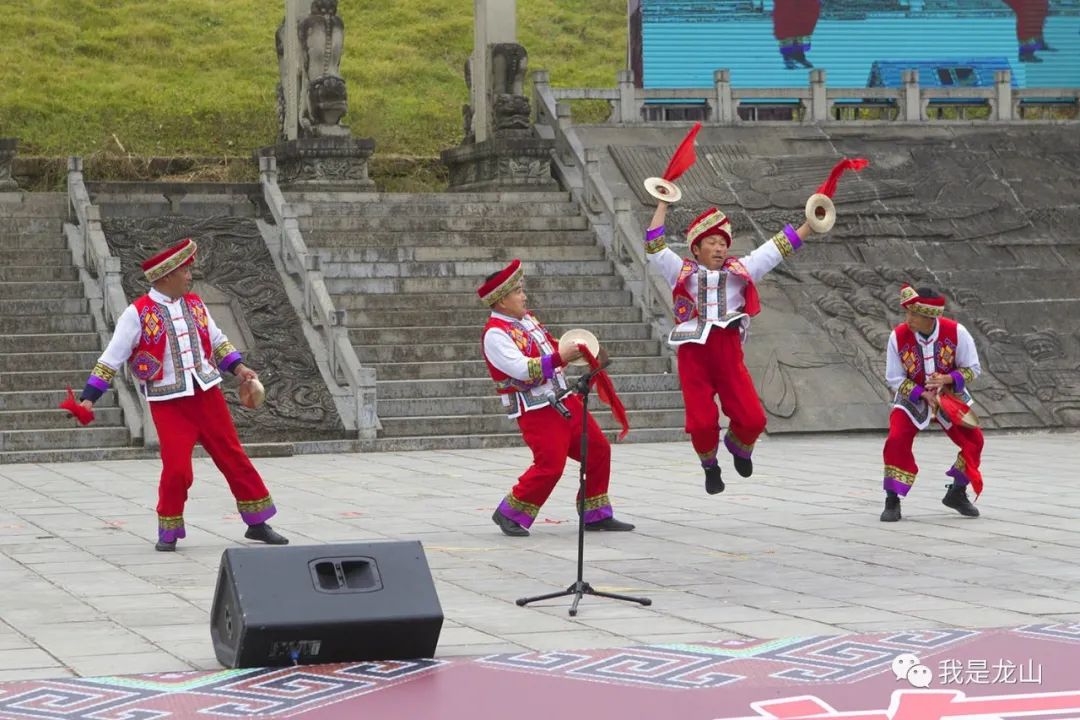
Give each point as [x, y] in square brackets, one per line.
[581, 588]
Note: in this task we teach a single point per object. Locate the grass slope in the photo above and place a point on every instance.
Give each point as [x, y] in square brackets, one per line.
[198, 77]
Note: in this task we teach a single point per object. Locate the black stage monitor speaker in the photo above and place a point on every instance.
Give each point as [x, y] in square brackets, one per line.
[324, 604]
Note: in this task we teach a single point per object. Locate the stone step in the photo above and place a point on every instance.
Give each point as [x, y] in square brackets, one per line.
[606, 333]
[449, 199]
[77, 437]
[43, 306]
[56, 419]
[97, 454]
[410, 254]
[397, 286]
[39, 273]
[482, 387]
[506, 440]
[474, 367]
[46, 233]
[37, 399]
[43, 379]
[28, 290]
[29, 257]
[421, 406]
[34, 204]
[429, 209]
[24, 343]
[543, 301]
[477, 270]
[489, 424]
[33, 324]
[462, 239]
[416, 226]
[425, 353]
[474, 318]
[64, 360]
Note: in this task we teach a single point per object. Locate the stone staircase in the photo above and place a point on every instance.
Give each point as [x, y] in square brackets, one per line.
[47, 340]
[406, 268]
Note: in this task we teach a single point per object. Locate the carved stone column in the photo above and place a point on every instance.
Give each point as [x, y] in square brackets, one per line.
[315, 148]
[7, 157]
[512, 157]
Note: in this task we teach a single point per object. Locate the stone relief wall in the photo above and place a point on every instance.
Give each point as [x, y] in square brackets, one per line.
[234, 263]
[988, 217]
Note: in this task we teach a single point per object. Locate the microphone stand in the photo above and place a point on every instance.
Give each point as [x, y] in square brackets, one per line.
[580, 587]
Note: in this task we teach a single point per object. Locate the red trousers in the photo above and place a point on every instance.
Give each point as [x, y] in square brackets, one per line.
[900, 467]
[716, 369]
[1030, 19]
[203, 418]
[552, 439]
[795, 18]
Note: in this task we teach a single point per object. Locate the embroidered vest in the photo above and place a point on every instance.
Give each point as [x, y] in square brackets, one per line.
[147, 360]
[684, 303]
[911, 352]
[504, 384]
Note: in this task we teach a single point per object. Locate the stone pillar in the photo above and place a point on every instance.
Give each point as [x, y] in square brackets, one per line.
[912, 96]
[8, 147]
[495, 21]
[1003, 102]
[501, 149]
[314, 148]
[819, 101]
[629, 110]
[725, 105]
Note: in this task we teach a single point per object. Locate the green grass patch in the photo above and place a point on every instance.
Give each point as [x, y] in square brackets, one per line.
[197, 77]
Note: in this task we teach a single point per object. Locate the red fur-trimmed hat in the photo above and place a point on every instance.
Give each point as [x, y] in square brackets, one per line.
[498, 287]
[169, 259]
[710, 222]
[928, 306]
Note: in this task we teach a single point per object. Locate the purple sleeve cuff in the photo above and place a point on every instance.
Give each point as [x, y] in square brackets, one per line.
[653, 233]
[548, 363]
[793, 237]
[230, 361]
[958, 380]
[92, 392]
[917, 393]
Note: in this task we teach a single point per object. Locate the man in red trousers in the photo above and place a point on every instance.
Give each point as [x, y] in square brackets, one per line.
[793, 24]
[1030, 25]
[928, 355]
[176, 351]
[524, 361]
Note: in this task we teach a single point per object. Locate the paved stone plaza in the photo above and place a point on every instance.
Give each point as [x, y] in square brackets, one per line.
[796, 550]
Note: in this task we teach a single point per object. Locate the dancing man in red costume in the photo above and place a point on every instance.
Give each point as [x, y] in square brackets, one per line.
[928, 356]
[177, 352]
[527, 367]
[1030, 25]
[793, 24]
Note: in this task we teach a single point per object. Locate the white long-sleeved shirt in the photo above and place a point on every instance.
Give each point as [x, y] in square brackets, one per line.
[535, 382]
[184, 362]
[720, 295]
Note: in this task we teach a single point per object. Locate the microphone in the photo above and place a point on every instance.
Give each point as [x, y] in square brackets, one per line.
[555, 403]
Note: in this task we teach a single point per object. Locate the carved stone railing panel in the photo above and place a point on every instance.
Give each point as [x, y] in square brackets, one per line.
[234, 264]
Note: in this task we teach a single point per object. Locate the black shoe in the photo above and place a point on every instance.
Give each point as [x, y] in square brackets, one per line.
[1046, 48]
[1030, 57]
[509, 527]
[610, 524]
[266, 534]
[891, 513]
[957, 499]
[789, 64]
[743, 466]
[713, 483]
[803, 61]
[163, 546]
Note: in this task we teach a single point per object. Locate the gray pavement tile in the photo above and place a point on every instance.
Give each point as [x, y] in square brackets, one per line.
[762, 560]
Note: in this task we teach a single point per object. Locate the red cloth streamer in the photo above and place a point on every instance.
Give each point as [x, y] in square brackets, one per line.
[829, 186]
[954, 409]
[684, 156]
[605, 390]
[84, 416]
